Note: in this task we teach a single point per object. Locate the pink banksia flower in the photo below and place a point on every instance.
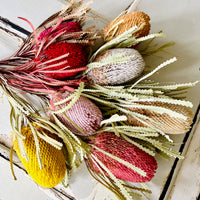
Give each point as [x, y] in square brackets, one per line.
[85, 115]
[122, 149]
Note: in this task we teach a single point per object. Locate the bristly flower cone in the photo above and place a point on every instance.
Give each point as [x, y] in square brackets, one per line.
[125, 22]
[54, 51]
[166, 123]
[84, 113]
[126, 151]
[53, 159]
[76, 58]
[116, 73]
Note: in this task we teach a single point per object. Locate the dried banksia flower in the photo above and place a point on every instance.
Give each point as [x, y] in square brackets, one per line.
[85, 115]
[53, 54]
[125, 22]
[72, 63]
[164, 122]
[53, 160]
[122, 149]
[115, 66]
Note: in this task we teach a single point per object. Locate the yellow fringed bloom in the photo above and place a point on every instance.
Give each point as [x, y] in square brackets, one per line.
[53, 160]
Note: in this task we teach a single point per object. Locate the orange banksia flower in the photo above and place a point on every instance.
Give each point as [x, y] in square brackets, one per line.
[125, 22]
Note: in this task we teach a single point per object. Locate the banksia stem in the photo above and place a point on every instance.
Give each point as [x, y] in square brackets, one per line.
[53, 160]
[122, 149]
[125, 22]
[164, 122]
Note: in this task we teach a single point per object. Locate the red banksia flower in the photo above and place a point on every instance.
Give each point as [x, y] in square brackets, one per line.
[68, 66]
[84, 113]
[52, 55]
[119, 147]
[72, 64]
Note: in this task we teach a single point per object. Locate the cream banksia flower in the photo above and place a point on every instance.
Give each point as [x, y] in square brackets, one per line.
[162, 121]
[115, 66]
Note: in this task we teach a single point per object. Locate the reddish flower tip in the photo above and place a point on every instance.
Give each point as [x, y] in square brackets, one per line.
[68, 27]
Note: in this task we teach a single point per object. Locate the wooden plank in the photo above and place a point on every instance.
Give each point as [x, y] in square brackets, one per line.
[187, 183]
[177, 165]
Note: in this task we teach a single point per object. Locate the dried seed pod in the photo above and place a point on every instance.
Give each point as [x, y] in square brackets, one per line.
[126, 151]
[125, 22]
[167, 124]
[117, 72]
[84, 113]
[53, 160]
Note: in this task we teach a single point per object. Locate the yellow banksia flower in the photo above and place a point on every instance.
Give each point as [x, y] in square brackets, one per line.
[53, 160]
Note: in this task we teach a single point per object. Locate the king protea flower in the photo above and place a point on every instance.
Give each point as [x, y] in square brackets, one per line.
[52, 55]
[122, 149]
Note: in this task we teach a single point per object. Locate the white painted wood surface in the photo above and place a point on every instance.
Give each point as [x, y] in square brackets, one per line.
[180, 21]
[187, 183]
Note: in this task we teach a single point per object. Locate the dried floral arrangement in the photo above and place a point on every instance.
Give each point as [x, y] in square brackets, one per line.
[93, 106]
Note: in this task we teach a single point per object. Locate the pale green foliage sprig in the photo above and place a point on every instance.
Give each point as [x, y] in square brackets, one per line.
[115, 100]
[24, 113]
[125, 40]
